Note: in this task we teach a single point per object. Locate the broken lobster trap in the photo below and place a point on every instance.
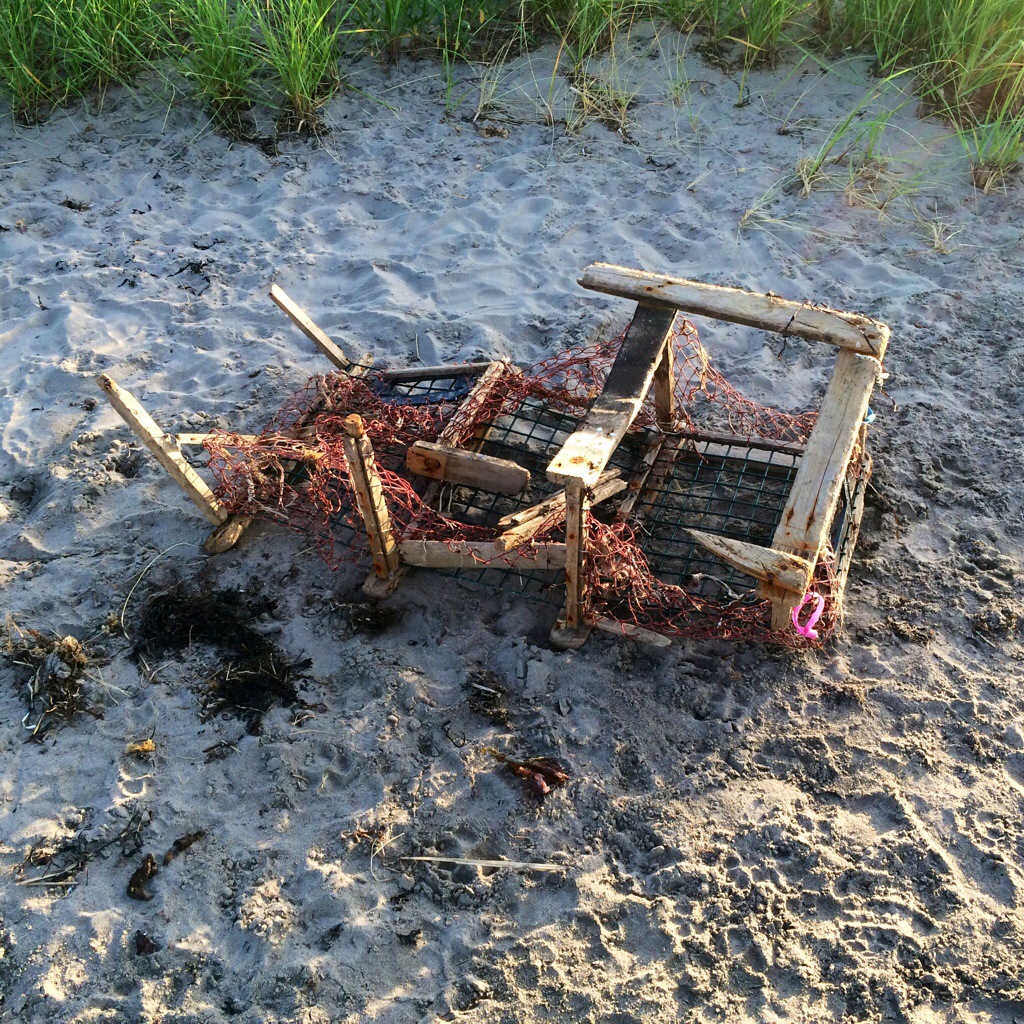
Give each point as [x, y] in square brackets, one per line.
[628, 480]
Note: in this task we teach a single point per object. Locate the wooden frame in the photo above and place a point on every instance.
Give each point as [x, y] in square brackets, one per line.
[786, 568]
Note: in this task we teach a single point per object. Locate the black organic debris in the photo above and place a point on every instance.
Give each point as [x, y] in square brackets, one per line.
[369, 618]
[140, 876]
[63, 860]
[542, 774]
[486, 696]
[249, 677]
[54, 688]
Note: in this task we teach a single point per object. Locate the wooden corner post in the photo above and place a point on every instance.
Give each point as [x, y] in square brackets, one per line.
[362, 471]
[808, 515]
[572, 628]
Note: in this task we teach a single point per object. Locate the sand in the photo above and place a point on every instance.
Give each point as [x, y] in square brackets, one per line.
[747, 835]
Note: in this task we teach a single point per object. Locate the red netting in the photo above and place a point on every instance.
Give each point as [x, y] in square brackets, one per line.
[296, 472]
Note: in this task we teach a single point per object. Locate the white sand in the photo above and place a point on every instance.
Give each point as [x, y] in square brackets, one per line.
[747, 836]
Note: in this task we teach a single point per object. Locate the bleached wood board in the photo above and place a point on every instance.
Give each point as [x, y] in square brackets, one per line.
[440, 554]
[585, 454]
[310, 329]
[164, 449]
[807, 518]
[768, 312]
[776, 568]
[458, 466]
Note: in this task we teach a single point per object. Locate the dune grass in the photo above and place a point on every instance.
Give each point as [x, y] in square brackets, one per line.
[967, 56]
[218, 54]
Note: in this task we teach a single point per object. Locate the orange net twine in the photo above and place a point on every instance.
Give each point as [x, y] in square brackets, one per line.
[296, 473]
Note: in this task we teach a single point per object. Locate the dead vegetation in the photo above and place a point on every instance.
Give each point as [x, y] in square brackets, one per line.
[53, 690]
[58, 862]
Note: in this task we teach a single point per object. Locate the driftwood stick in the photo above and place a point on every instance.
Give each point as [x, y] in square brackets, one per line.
[310, 329]
[164, 448]
[370, 497]
[433, 372]
[629, 630]
[769, 312]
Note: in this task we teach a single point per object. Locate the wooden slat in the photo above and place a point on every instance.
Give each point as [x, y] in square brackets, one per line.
[664, 390]
[489, 384]
[370, 497]
[856, 515]
[524, 530]
[310, 329]
[165, 450]
[433, 372]
[776, 568]
[586, 453]
[769, 312]
[807, 517]
[636, 486]
[611, 482]
[439, 554]
[458, 466]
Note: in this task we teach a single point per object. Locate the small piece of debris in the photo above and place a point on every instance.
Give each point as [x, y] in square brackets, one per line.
[543, 774]
[144, 945]
[137, 883]
[182, 844]
[141, 747]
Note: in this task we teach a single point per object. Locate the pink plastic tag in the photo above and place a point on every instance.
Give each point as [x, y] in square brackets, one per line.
[807, 629]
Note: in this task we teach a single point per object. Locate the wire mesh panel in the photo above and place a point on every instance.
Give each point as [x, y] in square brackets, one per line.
[530, 436]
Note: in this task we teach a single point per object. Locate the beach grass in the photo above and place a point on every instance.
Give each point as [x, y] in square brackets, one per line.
[217, 52]
[966, 56]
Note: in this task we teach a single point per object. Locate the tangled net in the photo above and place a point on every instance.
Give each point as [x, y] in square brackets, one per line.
[295, 472]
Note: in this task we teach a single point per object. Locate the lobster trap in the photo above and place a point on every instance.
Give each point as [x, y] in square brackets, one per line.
[628, 482]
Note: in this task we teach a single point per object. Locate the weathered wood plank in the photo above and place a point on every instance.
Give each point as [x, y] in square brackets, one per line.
[370, 497]
[807, 517]
[164, 449]
[585, 454]
[458, 466]
[439, 554]
[310, 329]
[776, 568]
[769, 312]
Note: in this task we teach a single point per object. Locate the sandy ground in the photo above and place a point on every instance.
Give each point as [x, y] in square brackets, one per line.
[747, 836]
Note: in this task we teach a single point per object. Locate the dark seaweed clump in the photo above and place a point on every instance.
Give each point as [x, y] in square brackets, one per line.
[248, 677]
